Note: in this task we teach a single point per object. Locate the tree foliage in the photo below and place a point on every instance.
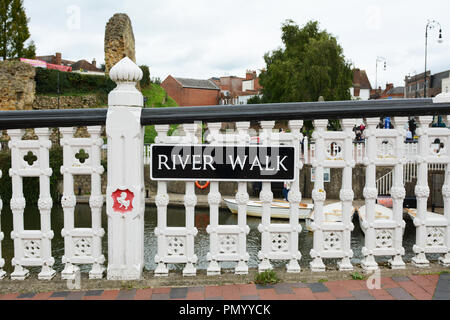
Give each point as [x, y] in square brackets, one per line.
[145, 81]
[311, 64]
[14, 32]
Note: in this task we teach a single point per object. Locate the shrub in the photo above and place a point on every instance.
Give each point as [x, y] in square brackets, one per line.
[69, 82]
[266, 277]
[145, 82]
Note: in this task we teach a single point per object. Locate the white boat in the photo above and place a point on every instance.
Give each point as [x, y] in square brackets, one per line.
[381, 212]
[279, 209]
[332, 213]
[412, 213]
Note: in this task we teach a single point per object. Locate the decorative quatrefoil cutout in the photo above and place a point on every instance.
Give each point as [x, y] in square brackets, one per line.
[30, 158]
[82, 156]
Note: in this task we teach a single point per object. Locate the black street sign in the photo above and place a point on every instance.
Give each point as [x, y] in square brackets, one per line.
[222, 163]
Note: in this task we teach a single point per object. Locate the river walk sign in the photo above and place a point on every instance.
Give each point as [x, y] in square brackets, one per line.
[222, 163]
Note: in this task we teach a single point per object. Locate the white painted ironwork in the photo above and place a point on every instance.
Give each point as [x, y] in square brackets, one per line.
[432, 232]
[176, 244]
[383, 237]
[30, 158]
[125, 174]
[280, 241]
[228, 242]
[81, 156]
[334, 149]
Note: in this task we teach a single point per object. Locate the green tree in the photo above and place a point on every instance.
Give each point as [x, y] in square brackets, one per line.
[14, 31]
[145, 81]
[310, 65]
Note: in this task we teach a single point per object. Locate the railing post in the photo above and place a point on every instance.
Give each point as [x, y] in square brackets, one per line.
[125, 193]
[422, 192]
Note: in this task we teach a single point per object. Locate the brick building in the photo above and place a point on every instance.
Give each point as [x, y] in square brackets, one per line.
[80, 66]
[235, 90]
[390, 92]
[361, 85]
[414, 86]
[192, 92]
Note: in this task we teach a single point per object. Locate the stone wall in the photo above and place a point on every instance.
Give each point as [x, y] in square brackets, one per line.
[119, 40]
[66, 102]
[17, 86]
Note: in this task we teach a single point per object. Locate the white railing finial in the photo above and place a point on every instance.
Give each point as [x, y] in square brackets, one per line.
[126, 74]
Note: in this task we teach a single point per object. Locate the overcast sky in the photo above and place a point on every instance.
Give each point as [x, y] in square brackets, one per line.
[206, 38]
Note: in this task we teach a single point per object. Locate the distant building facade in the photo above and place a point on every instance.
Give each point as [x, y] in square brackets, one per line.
[80, 66]
[235, 90]
[192, 92]
[390, 92]
[361, 85]
[414, 85]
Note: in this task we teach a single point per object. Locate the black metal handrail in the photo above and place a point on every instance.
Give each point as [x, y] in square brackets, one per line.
[230, 113]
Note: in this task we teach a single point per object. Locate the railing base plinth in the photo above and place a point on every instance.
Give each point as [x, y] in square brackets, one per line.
[241, 268]
[445, 261]
[345, 265]
[397, 263]
[20, 274]
[47, 274]
[293, 267]
[317, 265]
[127, 274]
[69, 272]
[264, 266]
[96, 273]
[419, 262]
[213, 269]
[369, 266]
[189, 270]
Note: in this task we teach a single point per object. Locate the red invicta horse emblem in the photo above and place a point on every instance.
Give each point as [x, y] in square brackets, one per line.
[123, 200]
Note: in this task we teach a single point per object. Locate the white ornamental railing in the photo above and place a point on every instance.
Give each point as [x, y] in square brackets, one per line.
[125, 196]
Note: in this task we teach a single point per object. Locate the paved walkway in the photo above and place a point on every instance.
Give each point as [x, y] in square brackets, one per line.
[414, 287]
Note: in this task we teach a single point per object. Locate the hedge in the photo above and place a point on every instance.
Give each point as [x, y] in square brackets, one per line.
[70, 82]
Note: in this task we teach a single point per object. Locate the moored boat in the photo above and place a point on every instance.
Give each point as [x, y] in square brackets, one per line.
[332, 213]
[279, 209]
[412, 213]
[381, 212]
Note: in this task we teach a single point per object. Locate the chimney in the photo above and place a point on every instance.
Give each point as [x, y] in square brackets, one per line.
[94, 63]
[249, 75]
[389, 86]
[58, 58]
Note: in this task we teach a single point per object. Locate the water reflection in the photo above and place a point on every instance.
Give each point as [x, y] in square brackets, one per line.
[176, 218]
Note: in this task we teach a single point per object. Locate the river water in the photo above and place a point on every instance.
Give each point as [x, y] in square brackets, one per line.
[176, 218]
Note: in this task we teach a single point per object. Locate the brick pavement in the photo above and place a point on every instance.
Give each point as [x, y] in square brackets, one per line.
[414, 287]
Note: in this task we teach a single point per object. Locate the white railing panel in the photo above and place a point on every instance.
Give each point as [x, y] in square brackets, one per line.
[82, 156]
[432, 231]
[333, 239]
[31, 247]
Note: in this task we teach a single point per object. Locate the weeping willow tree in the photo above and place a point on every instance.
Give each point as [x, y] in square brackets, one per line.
[309, 65]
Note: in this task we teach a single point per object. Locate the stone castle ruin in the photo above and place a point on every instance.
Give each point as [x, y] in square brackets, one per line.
[17, 86]
[119, 40]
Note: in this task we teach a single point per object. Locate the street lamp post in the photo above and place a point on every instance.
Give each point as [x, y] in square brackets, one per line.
[379, 59]
[431, 24]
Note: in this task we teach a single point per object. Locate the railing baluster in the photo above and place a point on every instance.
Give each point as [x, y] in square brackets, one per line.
[82, 245]
[31, 247]
[432, 230]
